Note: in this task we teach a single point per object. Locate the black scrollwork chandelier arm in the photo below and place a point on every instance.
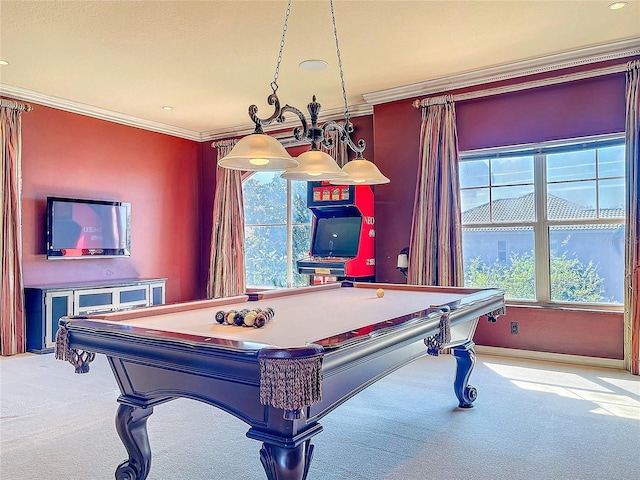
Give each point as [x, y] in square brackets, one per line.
[253, 110]
[345, 135]
[314, 134]
[276, 116]
[298, 132]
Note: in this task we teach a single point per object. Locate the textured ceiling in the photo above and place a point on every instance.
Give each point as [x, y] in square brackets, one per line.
[211, 59]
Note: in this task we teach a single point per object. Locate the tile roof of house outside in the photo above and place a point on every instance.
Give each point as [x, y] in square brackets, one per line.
[517, 209]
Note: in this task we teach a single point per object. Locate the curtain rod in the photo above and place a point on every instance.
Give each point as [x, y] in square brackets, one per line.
[224, 143]
[6, 103]
[487, 92]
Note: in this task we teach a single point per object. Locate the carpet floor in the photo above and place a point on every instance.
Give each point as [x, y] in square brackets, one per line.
[532, 420]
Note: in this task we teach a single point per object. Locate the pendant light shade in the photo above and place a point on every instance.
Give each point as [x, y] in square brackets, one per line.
[361, 172]
[258, 152]
[314, 165]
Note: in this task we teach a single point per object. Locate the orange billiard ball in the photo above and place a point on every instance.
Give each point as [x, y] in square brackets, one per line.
[380, 293]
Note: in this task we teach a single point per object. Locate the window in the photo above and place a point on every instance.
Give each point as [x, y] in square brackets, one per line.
[555, 211]
[277, 230]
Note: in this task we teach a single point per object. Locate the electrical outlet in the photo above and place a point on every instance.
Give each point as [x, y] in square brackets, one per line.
[514, 328]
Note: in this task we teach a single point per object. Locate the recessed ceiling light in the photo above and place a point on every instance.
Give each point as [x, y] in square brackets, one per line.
[4, 62]
[313, 65]
[617, 5]
[167, 107]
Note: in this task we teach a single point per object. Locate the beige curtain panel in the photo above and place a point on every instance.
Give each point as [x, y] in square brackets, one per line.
[226, 263]
[12, 325]
[435, 249]
[632, 260]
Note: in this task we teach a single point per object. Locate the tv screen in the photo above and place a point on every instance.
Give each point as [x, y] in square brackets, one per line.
[336, 237]
[79, 228]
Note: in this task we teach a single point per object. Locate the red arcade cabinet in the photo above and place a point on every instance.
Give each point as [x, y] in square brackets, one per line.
[342, 233]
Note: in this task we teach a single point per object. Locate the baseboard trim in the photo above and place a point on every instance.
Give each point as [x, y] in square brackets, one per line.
[551, 357]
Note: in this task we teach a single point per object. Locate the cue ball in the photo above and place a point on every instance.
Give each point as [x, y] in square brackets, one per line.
[380, 293]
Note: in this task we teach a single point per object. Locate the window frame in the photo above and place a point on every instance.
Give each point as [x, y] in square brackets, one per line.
[501, 250]
[541, 224]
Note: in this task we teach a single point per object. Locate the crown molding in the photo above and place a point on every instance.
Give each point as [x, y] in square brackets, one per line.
[96, 112]
[24, 94]
[584, 56]
[518, 87]
[548, 63]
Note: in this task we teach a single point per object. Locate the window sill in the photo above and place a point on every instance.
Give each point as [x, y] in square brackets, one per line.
[567, 307]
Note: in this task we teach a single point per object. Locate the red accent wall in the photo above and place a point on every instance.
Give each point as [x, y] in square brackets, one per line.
[397, 142]
[70, 155]
[566, 331]
[574, 109]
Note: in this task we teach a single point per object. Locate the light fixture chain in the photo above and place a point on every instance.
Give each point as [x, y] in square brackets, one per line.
[344, 91]
[274, 84]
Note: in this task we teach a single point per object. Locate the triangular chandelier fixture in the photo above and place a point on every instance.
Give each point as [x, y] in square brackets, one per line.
[261, 152]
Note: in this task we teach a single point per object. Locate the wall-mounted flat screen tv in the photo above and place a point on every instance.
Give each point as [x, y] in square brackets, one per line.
[78, 228]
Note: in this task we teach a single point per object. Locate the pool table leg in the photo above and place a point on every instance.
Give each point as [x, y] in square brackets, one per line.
[465, 359]
[285, 454]
[282, 463]
[131, 424]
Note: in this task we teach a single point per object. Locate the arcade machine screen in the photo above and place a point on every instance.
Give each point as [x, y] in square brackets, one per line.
[336, 237]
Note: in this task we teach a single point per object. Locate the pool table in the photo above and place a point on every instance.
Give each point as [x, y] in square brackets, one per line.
[323, 345]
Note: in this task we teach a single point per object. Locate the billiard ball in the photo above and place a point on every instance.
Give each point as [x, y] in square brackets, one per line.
[380, 293]
[249, 319]
[230, 316]
[238, 318]
[220, 316]
[260, 320]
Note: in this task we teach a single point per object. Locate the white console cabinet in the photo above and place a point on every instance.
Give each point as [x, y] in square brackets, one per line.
[45, 305]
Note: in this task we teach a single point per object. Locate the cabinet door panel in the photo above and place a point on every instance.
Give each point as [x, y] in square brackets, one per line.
[134, 296]
[137, 295]
[157, 293]
[94, 299]
[57, 305]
